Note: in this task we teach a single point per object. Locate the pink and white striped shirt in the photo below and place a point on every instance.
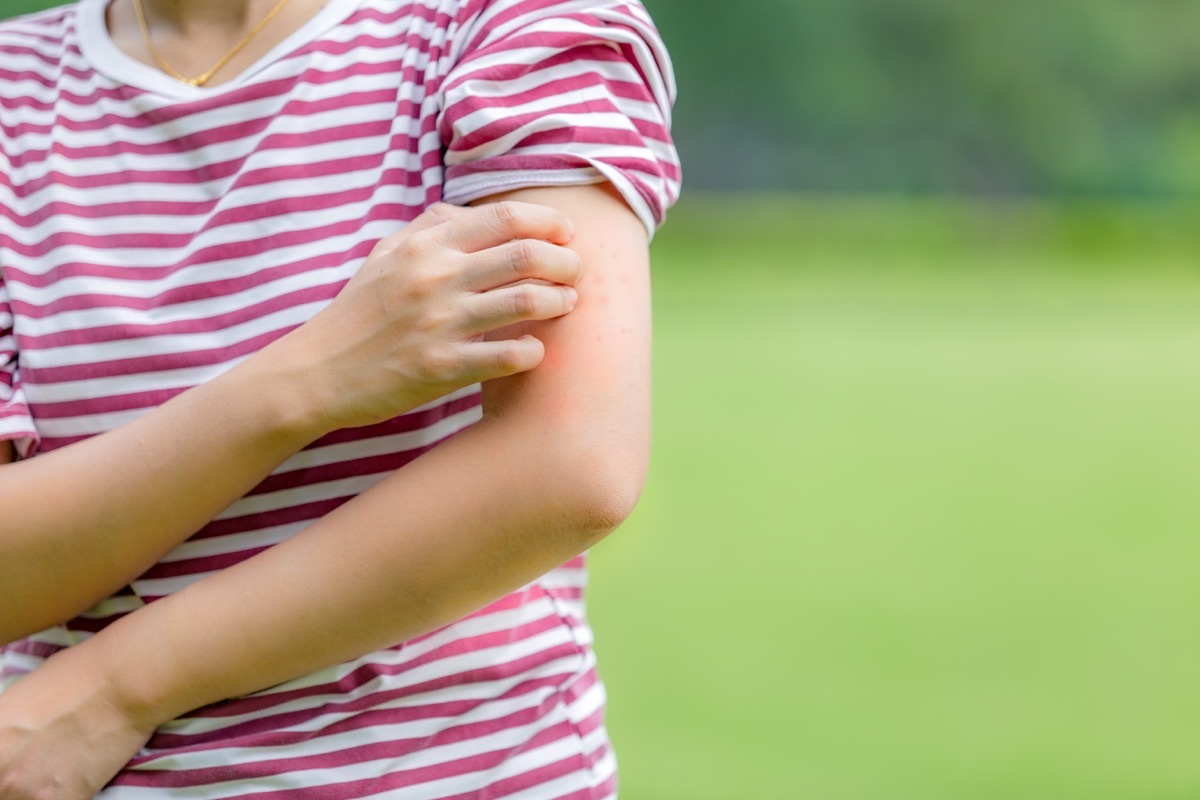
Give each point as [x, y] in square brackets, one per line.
[153, 234]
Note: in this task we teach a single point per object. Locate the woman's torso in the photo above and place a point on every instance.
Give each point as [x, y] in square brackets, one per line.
[151, 241]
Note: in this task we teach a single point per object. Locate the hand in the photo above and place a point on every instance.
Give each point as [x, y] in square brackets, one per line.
[410, 326]
[61, 736]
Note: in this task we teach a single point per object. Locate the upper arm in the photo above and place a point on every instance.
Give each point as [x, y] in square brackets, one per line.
[597, 146]
[594, 383]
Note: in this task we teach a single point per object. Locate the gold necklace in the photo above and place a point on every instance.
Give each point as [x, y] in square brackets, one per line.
[204, 77]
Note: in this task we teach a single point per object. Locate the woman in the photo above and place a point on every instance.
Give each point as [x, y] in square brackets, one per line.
[223, 504]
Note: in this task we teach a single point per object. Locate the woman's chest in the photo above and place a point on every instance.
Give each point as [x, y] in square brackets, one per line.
[152, 255]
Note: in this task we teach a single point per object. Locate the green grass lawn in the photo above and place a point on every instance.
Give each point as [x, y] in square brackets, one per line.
[924, 511]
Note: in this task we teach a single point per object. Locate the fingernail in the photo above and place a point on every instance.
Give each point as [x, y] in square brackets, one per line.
[572, 297]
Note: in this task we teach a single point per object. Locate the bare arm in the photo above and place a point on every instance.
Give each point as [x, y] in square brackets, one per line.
[83, 521]
[557, 462]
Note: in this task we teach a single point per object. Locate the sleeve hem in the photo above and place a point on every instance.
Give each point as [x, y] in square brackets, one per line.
[19, 430]
[468, 188]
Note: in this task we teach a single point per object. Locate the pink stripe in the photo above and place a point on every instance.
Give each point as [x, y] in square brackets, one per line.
[301, 512]
[212, 172]
[405, 422]
[490, 132]
[106, 405]
[270, 729]
[578, 46]
[164, 744]
[93, 624]
[498, 671]
[156, 363]
[483, 761]
[585, 727]
[183, 294]
[199, 566]
[534, 778]
[117, 333]
[33, 647]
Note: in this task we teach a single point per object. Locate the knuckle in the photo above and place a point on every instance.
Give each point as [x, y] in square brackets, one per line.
[392, 241]
[428, 281]
[439, 366]
[522, 256]
[505, 213]
[524, 301]
[439, 211]
[430, 322]
[409, 246]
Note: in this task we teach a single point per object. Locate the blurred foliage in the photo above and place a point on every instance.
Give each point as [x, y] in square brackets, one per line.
[1046, 96]
[1061, 97]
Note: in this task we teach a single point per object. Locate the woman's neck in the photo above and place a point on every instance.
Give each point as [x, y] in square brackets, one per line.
[191, 36]
[233, 15]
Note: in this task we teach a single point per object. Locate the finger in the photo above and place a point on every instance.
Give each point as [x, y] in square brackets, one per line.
[488, 311]
[520, 260]
[494, 224]
[486, 360]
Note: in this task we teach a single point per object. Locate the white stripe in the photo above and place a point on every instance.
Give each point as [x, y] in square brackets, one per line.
[114, 200]
[510, 140]
[170, 343]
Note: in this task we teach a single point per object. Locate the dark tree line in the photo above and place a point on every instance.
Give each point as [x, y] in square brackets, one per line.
[1074, 97]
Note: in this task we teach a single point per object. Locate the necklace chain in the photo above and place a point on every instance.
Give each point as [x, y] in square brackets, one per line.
[204, 77]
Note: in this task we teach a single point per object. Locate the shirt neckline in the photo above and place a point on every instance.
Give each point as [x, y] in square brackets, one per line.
[102, 52]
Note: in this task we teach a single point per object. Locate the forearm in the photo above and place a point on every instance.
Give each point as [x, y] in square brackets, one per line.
[83, 521]
[557, 462]
[465, 524]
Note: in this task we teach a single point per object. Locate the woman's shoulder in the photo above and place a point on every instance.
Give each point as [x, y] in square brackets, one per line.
[35, 51]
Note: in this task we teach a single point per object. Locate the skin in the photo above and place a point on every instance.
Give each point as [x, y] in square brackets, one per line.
[193, 36]
[557, 462]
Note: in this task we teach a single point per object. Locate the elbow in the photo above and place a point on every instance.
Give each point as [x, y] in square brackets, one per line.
[603, 484]
[581, 476]
[605, 509]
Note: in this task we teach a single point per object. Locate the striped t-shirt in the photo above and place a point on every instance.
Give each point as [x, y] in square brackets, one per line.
[154, 234]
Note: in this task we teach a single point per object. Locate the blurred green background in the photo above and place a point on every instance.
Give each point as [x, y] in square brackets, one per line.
[922, 520]
[923, 509]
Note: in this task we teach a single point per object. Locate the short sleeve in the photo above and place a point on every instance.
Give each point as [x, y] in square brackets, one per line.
[554, 93]
[16, 423]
